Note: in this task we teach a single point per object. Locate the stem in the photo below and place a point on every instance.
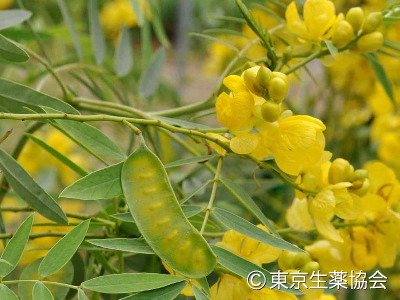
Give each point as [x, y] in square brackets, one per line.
[44, 282]
[68, 214]
[306, 61]
[213, 194]
[53, 234]
[83, 118]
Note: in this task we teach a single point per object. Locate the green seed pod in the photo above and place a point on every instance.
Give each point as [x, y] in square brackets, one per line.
[339, 171]
[372, 22]
[278, 89]
[270, 111]
[343, 34]
[355, 16]
[370, 42]
[250, 79]
[159, 217]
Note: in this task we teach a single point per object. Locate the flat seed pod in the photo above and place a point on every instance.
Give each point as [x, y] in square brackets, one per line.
[160, 219]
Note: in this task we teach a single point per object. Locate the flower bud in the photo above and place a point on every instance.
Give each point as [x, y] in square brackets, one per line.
[293, 260]
[372, 22]
[278, 89]
[270, 111]
[264, 75]
[339, 171]
[355, 16]
[310, 267]
[343, 34]
[359, 174]
[250, 79]
[363, 190]
[281, 75]
[370, 42]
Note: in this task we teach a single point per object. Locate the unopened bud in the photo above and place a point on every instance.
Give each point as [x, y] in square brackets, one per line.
[293, 260]
[270, 111]
[355, 16]
[277, 89]
[250, 79]
[343, 34]
[339, 171]
[264, 75]
[363, 190]
[372, 22]
[370, 42]
[310, 267]
[359, 174]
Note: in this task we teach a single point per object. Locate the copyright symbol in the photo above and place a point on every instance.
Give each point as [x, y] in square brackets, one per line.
[256, 280]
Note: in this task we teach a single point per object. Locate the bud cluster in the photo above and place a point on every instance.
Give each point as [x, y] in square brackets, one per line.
[293, 262]
[342, 171]
[364, 27]
[272, 86]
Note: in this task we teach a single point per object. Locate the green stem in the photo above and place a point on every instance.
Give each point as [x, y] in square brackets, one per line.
[88, 118]
[74, 215]
[213, 194]
[44, 282]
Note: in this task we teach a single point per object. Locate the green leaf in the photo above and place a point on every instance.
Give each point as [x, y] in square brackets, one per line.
[65, 275]
[121, 244]
[62, 158]
[199, 295]
[137, 8]
[243, 267]
[12, 17]
[41, 292]
[332, 49]
[27, 188]
[14, 97]
[244, 198]
[146, 41]
[157, 24]
[150, 79]
[4, 262]
[130, 282]
[123, 60]
[96, 32]
[215, 39]
[169, 292]
[188, 161]
[99, 185]
[381, 74]
[61, 253]
[194, 192]
[82, 295]
[11, 52]
[204, 285]
[15, 247]
[71, 27]
[246, 228]
[90, 137]
[188, 210]
[6, 293]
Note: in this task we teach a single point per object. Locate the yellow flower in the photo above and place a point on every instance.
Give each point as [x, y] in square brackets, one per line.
[117, 13]
[229, 288]
[235, 110]
[4, 4]
[270, 294]
[297, 143]
[319, 17]
[379, 101]
[216, 147]
[248, 248]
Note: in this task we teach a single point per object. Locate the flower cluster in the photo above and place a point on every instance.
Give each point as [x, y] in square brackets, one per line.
[253, 113]
[321, 23]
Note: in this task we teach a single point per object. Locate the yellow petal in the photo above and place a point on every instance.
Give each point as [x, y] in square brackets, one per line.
[215, 146]
[245, 143]
[319, 16]
[295, 24]
[298, 216]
